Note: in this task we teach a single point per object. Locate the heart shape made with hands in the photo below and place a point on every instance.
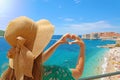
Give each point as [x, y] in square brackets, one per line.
[71, 39]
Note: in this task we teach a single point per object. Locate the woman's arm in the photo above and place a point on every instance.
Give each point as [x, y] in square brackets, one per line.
[77, 72]
[51, 50]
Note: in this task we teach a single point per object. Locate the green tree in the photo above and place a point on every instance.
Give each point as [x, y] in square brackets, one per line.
[1, 33]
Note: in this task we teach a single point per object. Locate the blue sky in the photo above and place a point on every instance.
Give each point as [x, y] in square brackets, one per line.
[68, 16]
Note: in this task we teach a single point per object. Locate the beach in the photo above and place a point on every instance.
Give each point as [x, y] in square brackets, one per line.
[111, 63]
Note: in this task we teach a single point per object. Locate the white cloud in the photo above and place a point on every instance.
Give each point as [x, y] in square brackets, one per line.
[68, 19]
[77, 1]
[82, 28]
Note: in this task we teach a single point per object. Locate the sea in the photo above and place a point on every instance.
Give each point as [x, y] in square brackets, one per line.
[67, 55]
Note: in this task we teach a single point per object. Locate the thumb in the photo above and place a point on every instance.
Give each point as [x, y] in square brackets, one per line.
[73, 42]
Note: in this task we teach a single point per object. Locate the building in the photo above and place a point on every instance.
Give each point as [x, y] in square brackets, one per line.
[86, 36]
[94, 35]
[102, 35]
[108, 35]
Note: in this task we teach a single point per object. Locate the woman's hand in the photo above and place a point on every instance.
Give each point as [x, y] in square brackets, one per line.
[77, 40]
[63, 39]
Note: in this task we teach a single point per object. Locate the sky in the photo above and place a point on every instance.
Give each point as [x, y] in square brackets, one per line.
[67, 16]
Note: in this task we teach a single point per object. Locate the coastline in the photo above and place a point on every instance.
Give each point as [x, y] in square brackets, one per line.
[111, 63]
[107, 46]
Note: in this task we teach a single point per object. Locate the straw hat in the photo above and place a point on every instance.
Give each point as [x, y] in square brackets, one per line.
[37, 34]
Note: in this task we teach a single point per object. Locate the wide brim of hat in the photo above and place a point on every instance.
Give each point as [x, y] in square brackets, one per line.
[37, 34]
[45, 30]
[21, 26]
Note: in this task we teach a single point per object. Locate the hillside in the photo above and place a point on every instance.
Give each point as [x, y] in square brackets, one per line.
[1, 32]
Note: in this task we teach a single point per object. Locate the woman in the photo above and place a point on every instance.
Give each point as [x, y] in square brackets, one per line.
[25, 64]
[77, 72]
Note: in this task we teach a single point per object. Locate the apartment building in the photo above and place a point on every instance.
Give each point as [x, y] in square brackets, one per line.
[101, 35]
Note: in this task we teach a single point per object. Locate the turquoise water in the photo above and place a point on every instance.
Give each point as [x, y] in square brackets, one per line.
[66, 55]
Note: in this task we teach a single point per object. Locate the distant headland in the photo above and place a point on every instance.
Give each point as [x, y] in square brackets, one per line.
[1, 33]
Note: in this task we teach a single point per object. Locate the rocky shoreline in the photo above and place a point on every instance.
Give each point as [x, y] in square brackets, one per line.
[111, 63]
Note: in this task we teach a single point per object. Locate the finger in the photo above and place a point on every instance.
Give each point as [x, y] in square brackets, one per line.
[69, 43]
[67, 35]
[74, 42]
[74, 37]
[78, 38]
[63, 42]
